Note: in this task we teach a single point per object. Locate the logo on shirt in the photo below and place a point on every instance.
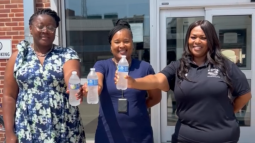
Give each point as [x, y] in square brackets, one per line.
[213, 73]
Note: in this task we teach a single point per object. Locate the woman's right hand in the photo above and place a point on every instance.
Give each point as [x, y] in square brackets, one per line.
[130, 80]
[11, 138]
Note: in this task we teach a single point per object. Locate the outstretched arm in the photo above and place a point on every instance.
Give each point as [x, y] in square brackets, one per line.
[157, 81]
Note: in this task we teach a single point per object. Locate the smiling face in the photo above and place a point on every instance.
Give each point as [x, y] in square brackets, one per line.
[122, 44]
[198, 43]
[43, 30]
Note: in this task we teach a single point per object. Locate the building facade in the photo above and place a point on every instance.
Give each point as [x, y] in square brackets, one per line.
[159, 28]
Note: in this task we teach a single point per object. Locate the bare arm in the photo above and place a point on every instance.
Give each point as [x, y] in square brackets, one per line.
[154, 97]
[149, 82]
[100, 82]
[10, 96]
[69, 66]
[241, 101]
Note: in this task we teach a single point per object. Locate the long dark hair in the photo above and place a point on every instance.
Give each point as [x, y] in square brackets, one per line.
[214, 56]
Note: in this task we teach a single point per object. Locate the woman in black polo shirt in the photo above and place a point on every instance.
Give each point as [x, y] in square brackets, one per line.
[204, 81]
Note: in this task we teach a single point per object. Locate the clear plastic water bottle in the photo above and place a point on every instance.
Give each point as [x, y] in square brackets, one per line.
[122, 72]
[92, 79]
[74, 86]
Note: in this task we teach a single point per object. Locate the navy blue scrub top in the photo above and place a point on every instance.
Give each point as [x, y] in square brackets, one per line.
[133, 126]
[204, 109]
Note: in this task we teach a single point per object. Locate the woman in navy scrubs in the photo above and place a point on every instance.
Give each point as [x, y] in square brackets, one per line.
[132, 126]
[204, 81]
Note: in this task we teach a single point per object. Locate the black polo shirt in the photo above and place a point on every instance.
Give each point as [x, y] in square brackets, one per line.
[204, 109]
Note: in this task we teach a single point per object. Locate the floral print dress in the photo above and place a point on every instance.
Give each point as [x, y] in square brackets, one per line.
[43, 113]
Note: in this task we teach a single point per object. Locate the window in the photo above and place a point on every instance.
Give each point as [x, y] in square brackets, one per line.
[235, 38]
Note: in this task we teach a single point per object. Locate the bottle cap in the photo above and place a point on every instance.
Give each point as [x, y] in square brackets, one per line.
[74, 72]
[92, 69]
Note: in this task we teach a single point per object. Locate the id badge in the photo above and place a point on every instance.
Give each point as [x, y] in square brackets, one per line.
[122, 105]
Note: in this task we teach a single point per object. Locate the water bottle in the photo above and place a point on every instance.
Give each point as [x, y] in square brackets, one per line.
[122, 72]
[92, 79]
[74, 86]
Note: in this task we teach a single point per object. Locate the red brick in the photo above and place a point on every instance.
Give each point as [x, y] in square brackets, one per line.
[2, 61]
[21, 23]
[12, 33]
[18, 37]
[20, 5]
[18, 28]
[17, 19]
[17, 10]
[4, 1]
[5, 10]
[47, 5]
[3, 15]
[11, 6]
[2, 33]
[1, 6]
[11, 14]
[16, 1]
[11, 24]
[2, 68]
[21, 33]
[39, 5]
[19, 15]
[5, 37]
[15, 41]
[2, 24]
[5, 19]
[5, 28]
[3, 64]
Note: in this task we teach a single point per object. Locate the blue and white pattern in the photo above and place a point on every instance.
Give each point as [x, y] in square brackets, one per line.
[43, 113]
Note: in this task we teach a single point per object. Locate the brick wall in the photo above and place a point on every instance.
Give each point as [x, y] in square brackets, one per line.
[12, 27]
[42, 4]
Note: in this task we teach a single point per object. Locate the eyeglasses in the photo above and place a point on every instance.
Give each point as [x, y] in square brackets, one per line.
[41, 28]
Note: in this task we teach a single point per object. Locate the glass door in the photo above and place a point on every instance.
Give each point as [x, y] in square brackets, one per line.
[235, 31]
[173, 27]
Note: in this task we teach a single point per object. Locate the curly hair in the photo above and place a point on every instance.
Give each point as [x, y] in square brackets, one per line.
[46, 11]
[213, 56]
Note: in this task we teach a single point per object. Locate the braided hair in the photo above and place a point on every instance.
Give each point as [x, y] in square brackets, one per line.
[120, 24]
[46, 11]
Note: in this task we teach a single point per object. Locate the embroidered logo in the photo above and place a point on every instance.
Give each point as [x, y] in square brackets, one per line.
[213, 73]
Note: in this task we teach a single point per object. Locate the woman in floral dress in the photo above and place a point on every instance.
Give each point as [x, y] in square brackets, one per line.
[35, 103]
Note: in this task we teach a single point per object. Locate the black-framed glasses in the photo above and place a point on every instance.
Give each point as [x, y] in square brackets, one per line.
[41, 28]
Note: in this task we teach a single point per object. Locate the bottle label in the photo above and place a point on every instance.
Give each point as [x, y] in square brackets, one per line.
[74, 86]
[92, 82]
[122, 68]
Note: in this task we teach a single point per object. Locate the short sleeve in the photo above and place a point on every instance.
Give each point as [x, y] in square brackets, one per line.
[70, 54]
[238, 81]
[150, 70]
[99, 67]
[170, 70]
